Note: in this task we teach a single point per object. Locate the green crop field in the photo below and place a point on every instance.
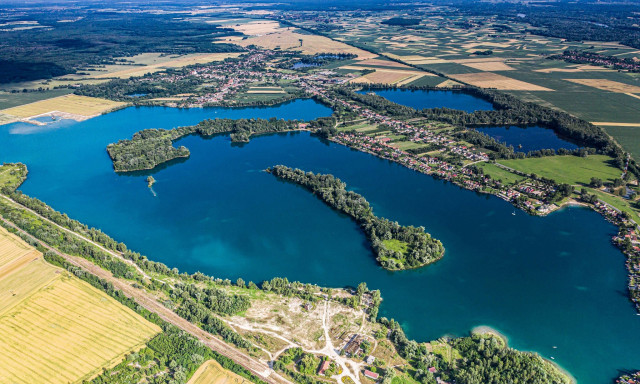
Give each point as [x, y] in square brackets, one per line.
[567, 169]
[498, 173]
[628, 137]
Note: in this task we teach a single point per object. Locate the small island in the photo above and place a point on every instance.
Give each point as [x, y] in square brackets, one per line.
[152, 147]
[396, 247]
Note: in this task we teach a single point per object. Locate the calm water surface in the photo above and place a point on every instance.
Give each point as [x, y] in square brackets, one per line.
[421, 99]
[525, 139]
[544, 282]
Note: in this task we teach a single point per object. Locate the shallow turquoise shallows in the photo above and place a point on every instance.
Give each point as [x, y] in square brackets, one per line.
[543, 282]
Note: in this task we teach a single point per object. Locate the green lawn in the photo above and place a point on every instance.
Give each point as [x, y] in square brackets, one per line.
[396, 245]
[498, 173]
[567, 169]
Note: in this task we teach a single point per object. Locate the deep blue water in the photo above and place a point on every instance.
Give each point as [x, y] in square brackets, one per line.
[304, 65]
[421, 99]
[544, 282]
[525, 139]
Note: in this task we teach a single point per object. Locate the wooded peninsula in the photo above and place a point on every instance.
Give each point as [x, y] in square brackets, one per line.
[152, 147]
[396, 247]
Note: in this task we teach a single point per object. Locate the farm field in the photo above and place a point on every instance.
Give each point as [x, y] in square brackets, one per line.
[567, 169]
[56, 328]
[266, 90]
[70, 106]
[211, 372]
[294, 40]
[487, 54]
[627, 136]
[498, 173]
[9, 100]
[155, 62]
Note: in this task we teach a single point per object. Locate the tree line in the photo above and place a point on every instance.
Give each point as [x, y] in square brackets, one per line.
[151, 147]
[420, 247]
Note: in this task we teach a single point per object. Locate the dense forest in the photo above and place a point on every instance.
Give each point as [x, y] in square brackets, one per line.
[401, 21]
[151, 147]
[395, 246]
[97, 38]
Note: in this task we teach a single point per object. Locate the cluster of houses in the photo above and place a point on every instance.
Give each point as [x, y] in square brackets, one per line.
[628, 240]
[629, 379]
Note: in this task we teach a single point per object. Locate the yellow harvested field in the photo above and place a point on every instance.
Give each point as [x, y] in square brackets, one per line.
[265, 90]
[494, 80]
[183, 61]
[607, 85]
[78, 106]
[311, 44]
[257, 28]
[401, 71]
[486, 44]
[55, 327]
[211, 372]
[382, 76]
[448, 83]
[612, 124]
[490, 66]
[573, 69]
[382, 63]
[6, 119]
[410, 79]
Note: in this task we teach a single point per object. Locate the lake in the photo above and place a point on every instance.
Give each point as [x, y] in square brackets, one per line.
[421, 99]
[525, 139]
[543, 282]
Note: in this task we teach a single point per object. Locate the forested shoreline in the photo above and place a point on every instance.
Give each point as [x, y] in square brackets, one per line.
[176, 354]
[152, 147]
[396, 247]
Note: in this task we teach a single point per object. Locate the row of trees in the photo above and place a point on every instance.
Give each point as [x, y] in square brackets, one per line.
[421, 248]
[151, 147]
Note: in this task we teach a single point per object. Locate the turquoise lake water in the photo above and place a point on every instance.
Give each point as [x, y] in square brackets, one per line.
[421, 99]
[525, 139]
[543, 282]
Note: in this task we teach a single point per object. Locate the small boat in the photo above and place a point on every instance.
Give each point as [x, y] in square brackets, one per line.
[554, 347]
[513, 213]
[553, 358]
